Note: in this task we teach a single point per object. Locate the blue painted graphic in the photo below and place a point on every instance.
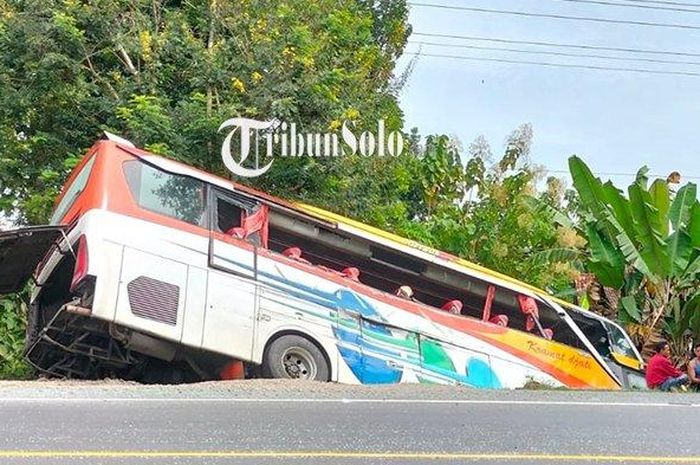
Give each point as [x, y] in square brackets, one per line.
[366, 345]
[366, 367]
[480, 375]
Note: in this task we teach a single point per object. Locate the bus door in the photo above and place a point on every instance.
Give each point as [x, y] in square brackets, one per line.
[348, 334]
[232, 291]
[389, 354]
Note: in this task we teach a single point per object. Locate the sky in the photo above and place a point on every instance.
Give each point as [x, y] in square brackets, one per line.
[616, 121]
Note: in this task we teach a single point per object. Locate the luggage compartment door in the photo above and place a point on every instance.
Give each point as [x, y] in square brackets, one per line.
[21, 250]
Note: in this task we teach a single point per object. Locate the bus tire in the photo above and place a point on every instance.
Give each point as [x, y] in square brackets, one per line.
[295, 357]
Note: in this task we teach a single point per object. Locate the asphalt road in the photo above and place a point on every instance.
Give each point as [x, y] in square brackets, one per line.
[311, 425]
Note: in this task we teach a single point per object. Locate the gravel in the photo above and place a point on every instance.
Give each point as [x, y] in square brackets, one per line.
[294, 389]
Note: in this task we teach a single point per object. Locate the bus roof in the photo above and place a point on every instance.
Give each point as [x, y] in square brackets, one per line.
[353, 227]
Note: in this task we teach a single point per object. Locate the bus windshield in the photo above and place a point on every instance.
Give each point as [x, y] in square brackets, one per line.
[619, 342]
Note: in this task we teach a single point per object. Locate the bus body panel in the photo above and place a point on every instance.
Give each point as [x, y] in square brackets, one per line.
[230, 315]
[195, 307]
[150, 296]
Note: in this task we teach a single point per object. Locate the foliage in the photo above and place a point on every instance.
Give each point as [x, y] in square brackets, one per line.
[12, 326]
[488, 212]
[647, 245]
[165, 74]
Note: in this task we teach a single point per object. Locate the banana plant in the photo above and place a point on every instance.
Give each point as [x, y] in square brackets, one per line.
[647, 245]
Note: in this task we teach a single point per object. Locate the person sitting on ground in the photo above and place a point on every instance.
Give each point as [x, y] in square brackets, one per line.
[661, 374]
[694, 367]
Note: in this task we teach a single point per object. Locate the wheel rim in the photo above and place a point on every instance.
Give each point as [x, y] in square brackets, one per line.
[299, 363]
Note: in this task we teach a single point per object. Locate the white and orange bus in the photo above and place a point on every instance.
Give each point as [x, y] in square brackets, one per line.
[156, 271]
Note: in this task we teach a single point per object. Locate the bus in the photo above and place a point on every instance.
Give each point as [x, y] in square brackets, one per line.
[152, 270]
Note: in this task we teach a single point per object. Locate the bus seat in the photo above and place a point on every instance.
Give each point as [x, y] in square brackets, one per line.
[500, 320]
[238, 233]
[351, 273]
[548, 333]
[295, 254]
[528, 306]
[453, 306]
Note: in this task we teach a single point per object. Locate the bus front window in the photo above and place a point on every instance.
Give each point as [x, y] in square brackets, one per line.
[619, 342]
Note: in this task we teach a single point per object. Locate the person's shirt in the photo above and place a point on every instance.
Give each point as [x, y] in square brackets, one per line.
[694, 370]
[659, 369]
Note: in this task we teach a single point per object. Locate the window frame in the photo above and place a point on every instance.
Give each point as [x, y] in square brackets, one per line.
[246, 203]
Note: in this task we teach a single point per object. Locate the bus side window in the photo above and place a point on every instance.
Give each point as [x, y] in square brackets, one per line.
[229, 216]
[504, 308]
[164, 193]
[247, 222]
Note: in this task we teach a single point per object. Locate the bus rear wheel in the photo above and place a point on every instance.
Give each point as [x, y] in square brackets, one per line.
[295, 357]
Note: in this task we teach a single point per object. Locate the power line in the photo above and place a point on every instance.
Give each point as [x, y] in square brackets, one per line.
[563, 54]
[558, 45]
[600, 173]
[626, 5]
[557, 16]
[664, 2]
[557, 65]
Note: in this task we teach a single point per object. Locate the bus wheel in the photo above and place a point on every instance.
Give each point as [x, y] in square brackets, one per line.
[294, 357]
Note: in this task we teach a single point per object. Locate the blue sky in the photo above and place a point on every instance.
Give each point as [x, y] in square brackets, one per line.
[616, 121]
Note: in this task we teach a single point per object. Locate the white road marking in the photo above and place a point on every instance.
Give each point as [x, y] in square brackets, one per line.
[385, 456]
[346, 401]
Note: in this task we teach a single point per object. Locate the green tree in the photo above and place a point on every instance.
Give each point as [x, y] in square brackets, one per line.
[12, 338]
[647, 245]
[166, 74]
[485, 211]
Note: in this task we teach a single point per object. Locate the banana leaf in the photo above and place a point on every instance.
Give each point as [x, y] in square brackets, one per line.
[694, 225]
[630, 250]
[629, 305]
[689, 275]
[563, 254]
[661, 199]
[607, 262]
[541, 206]
[683, 206]
[589, 188]
[647, 224]
[620, 207]
[642, 179]
[679, 252]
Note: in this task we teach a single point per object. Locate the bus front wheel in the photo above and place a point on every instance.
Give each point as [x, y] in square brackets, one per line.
[295, 357]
